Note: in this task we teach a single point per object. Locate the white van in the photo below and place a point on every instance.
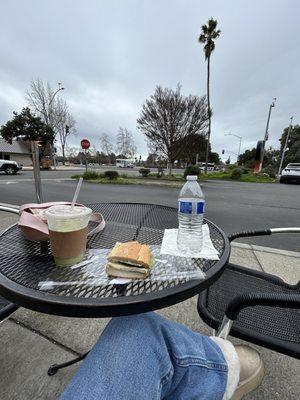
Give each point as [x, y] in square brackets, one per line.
[124, 163]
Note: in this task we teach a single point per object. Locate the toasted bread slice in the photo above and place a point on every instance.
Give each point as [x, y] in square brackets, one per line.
[119, 270]
[132, 253]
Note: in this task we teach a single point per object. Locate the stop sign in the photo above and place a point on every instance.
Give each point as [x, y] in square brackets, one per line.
[85, 144]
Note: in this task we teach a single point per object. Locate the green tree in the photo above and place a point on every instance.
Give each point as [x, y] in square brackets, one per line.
[271, 158]
[292, 154]
[247, 158]
[227, 162]
[208, 35]
[27, 126]
[214, 158]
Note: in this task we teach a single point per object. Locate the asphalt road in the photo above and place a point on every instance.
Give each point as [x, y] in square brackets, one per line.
[233, 206]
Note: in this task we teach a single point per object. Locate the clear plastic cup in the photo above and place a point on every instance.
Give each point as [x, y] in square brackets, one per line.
[68, 233]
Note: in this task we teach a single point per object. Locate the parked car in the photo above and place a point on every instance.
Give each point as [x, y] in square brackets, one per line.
[291, 173]
[9, 167]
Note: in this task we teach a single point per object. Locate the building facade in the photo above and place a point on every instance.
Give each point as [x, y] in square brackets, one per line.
[17, 151]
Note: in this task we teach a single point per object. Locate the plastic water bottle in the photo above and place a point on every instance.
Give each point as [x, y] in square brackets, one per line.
[191, 204]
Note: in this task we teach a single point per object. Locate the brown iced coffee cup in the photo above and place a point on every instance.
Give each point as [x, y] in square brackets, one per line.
[68, 233]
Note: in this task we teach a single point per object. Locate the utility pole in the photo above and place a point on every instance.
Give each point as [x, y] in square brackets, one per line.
[285, 146]
[266, 133]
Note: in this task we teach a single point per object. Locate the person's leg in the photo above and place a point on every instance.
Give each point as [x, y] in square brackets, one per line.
[148, 357]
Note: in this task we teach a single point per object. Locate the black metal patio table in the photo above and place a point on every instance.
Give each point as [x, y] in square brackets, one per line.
[24, 264]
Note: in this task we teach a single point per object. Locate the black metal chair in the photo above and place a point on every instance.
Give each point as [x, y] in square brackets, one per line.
[254, 306]
[6, 307]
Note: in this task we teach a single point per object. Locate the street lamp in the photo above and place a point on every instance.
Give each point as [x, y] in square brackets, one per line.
[50, 102]
[266, 133]
[55, 93]
[240, 138]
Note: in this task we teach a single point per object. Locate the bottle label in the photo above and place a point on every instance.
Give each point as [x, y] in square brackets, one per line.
[191, 207]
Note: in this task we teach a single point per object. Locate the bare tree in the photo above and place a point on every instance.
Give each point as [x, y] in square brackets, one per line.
[72, 151]
[125, 143]
[106, 146]
[42, 98]
[168, 119]
[52, 109]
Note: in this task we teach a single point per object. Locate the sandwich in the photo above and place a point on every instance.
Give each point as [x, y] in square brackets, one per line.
[129, 260]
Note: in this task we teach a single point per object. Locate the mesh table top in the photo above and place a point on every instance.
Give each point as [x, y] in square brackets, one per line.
[25, 264]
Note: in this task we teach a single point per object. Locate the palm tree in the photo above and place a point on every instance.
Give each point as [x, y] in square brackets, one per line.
[208, 34]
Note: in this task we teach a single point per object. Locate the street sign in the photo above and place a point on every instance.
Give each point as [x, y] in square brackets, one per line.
[85, 144]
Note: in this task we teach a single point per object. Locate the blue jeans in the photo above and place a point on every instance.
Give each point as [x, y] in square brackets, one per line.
[147, 357]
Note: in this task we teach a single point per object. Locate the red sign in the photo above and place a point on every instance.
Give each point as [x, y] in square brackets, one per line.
[85, 144]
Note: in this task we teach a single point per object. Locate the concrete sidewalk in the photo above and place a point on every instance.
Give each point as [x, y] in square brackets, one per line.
[31, 341]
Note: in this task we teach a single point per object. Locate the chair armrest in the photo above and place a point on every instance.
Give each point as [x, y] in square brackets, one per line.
[262, 232]
[9, 209]
[238, 303]
[282, 300]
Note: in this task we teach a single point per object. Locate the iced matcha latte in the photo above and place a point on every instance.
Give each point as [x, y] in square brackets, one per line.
[68, 233]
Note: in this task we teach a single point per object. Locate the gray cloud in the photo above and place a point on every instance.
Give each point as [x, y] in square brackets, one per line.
[110, 55]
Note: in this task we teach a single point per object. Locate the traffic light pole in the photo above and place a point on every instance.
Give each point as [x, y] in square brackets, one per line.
[36, 171]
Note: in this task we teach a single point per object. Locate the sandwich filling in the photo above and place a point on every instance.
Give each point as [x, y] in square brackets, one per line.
[129, 260]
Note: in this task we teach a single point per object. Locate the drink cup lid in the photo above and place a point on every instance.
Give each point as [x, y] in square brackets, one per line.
[191, 177]
[65, 211]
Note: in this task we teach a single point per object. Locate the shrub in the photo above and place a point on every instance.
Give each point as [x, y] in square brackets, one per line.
[245, 170]
[236, 173]
[144, 171]
[191, 170]
[270, 170]
[90, 175]
[76, 176]
[111, 175]
[261, 175]
[230, 167]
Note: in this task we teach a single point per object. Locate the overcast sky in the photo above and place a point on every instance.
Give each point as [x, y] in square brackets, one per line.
[111, 54]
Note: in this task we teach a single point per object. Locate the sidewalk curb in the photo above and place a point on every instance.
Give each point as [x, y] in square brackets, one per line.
[264, 249]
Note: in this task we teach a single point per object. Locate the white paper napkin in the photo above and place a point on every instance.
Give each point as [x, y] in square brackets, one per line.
[169, 245]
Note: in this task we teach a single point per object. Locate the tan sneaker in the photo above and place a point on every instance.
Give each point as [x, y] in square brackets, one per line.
[251, 371]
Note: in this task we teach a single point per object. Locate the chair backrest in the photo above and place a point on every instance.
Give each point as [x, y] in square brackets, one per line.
[274, 328]
[6, 307]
